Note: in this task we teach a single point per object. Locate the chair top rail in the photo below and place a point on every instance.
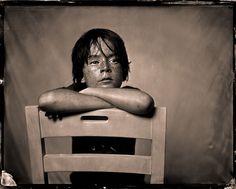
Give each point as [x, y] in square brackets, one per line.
[108, 122]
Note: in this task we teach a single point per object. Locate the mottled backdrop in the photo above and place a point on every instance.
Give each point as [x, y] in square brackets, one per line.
[182, 56]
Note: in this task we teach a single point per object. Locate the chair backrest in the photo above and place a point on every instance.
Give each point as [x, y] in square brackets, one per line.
[107, 122]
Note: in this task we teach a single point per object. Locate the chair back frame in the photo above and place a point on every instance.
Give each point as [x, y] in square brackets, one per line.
[108, 122]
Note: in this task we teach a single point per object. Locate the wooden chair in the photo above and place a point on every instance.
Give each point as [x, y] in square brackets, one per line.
[108, 122]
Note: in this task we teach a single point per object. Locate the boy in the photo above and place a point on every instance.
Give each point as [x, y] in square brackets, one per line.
[100, 65]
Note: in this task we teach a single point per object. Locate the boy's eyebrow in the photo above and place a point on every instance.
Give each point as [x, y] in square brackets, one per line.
[96, 56]
[92, 56]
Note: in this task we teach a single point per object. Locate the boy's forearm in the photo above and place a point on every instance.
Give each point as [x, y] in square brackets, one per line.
[68, 101]
[128, 99]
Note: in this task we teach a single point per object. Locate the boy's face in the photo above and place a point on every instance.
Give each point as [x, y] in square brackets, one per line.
[103, 68]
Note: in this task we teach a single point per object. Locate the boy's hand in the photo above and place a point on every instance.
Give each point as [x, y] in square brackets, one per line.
[90, 91]
[53, 116]
[98, 92]
[86, 91]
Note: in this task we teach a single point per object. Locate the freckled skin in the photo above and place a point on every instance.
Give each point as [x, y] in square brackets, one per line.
[103, 68]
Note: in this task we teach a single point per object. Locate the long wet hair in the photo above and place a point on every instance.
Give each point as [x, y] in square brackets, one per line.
[81, 51]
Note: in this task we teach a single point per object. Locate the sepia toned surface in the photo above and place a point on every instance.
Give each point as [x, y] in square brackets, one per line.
[182, 56]
[39, 126]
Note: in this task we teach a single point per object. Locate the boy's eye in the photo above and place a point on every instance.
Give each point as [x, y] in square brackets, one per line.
[114, 61]
[93, 62]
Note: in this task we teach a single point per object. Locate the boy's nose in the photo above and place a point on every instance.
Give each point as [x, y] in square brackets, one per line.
[105, 66]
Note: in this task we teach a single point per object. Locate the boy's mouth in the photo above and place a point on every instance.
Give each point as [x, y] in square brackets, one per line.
[106, 79]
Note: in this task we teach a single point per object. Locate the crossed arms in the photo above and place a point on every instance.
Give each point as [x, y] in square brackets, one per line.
[68, 101]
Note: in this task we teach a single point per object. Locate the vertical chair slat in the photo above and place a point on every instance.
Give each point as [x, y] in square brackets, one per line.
[35, 148]
[158, 146]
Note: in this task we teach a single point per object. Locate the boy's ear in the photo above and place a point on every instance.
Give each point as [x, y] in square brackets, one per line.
[82, 80]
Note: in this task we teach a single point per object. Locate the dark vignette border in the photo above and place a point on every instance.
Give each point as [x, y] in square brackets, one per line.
[230, 3]
[2, 65]
[234, 91]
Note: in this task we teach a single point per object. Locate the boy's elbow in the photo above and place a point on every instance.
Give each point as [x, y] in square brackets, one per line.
[46, 100]
[146, 104]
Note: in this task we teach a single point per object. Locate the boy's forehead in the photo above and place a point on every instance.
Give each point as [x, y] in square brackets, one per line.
[103, 46]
